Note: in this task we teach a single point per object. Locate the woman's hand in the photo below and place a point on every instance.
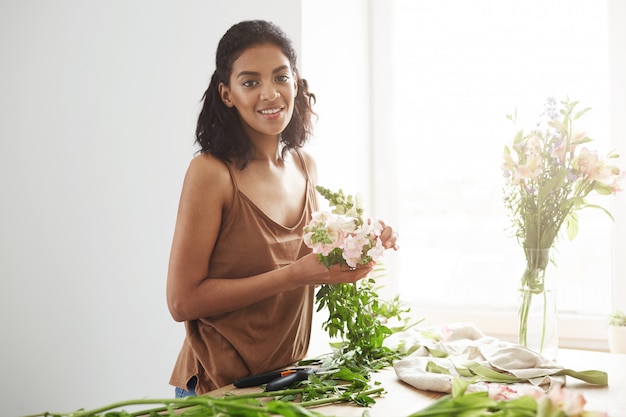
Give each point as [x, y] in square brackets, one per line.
[308, 270]
[389, 237]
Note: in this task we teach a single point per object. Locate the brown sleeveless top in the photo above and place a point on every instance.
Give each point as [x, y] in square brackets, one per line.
[264, 336]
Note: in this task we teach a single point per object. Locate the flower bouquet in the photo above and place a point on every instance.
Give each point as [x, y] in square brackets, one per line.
[549, 174]
[356, 314]
[343, 237]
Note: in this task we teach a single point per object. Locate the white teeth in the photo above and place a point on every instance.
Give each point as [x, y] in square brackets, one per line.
[270, 111]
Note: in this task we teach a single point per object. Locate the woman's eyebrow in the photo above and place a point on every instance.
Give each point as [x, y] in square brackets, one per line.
[256, 74]
[281, 68]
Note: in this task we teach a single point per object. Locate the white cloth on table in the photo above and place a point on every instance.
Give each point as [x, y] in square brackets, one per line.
[451, 348]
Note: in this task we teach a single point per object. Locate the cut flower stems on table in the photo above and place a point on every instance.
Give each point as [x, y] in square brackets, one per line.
[495, 401]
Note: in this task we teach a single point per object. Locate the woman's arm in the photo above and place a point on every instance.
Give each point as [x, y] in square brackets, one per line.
[207, 191]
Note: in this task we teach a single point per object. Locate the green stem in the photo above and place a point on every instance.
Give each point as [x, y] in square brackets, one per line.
[203, 401]
[543, 324]
[177, 403]
[533, 284]
[455, 410]
[109, 407]
[523, 317]
[330, 400]
[264, 394]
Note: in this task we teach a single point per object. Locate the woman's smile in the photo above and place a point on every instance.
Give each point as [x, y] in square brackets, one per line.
[272, 113]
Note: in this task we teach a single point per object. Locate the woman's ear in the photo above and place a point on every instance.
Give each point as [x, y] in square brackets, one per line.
[225, 95]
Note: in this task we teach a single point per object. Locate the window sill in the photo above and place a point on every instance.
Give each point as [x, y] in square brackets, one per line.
[575, 331]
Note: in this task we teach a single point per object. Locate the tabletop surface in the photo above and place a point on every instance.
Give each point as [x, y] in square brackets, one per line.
[401, 399]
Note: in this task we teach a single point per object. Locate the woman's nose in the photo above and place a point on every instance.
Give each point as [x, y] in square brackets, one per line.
[269, 93]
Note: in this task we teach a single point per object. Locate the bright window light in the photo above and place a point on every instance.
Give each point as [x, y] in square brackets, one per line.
[459, 68]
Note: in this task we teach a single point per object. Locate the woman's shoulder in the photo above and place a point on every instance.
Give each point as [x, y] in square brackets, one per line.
[207, 163]
[208, 170]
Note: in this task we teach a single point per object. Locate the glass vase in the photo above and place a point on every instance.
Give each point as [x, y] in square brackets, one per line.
[538, 305]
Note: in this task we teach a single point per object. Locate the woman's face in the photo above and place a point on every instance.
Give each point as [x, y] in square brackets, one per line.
[262, 89]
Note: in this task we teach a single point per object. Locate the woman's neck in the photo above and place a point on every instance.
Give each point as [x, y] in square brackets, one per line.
[268, 150]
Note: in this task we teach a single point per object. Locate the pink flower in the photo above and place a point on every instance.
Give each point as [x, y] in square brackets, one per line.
[326, 232]
[559, 152]
[615, 182]
[372, 228]
[344, 233]
[530, 170]
[533, 391]
[533, 145]
[377, 251]
[570, 402]
[591, 167]
[318, 247]
[353, 248]
[500, 392]
[509, 164]
[446, 332]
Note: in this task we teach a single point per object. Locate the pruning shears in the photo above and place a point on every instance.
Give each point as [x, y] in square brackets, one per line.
[277, 380]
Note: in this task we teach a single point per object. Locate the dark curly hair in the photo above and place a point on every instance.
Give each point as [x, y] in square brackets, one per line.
[219, 130]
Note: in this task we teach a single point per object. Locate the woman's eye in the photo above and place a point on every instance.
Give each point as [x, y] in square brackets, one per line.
[283, 78]
[249, 83]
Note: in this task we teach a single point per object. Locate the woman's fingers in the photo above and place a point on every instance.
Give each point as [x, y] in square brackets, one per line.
[389, 237]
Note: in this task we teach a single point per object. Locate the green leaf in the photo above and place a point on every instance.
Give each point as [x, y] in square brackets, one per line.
[571, 223]
[557, 124]
[437, 353]
[460, 385]
[345, 374]
[592, 376]
[580, 113]
[436, 369]
[489, 374]
[288, 409]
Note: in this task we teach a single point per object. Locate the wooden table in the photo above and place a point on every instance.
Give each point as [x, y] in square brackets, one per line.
[611, 398]
[400, 399]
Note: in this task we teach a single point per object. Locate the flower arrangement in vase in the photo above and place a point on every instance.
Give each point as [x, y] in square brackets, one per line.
[549, 173]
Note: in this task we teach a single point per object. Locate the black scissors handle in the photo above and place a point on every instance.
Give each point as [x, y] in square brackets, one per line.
[260, 379]
[287, 381]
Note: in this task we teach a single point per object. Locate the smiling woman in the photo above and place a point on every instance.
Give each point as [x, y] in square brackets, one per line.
[249, 193]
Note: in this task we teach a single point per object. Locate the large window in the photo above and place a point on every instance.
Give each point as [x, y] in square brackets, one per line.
[443, 77]
[460, 67]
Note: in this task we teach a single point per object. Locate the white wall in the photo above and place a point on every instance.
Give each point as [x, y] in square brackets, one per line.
[335, 62]
[98, 102]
